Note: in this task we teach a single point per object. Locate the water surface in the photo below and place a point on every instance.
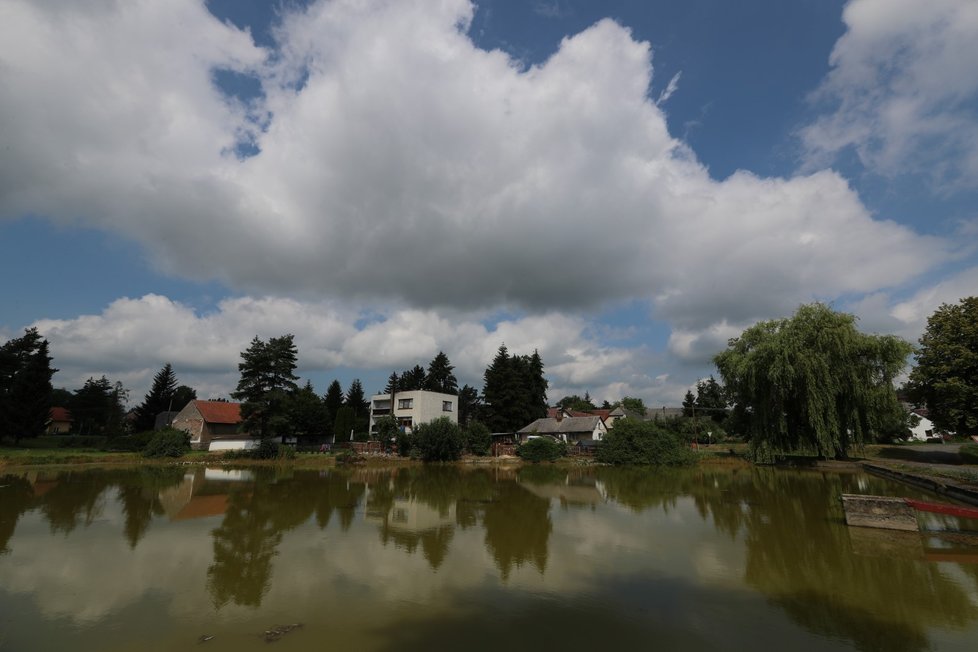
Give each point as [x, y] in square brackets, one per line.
[475, 559]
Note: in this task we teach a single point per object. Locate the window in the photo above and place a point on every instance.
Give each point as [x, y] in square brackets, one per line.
[405, 403]
[446, 406]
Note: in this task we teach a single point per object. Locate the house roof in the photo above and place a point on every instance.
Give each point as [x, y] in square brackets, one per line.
[565, 425]
[219, 411]
[60, 414]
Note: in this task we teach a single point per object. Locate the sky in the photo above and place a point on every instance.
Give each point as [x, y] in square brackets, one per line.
[621, 185]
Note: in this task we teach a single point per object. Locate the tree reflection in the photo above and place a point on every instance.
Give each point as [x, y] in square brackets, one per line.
[139, 493]
[518, 528]
[16, 497]
[799, 554]
[248, 538]
[76, 496]
[244, 546]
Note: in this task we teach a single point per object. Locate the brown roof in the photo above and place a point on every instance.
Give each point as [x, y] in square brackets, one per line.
[60, 414]
[200, 506]
[219, 411]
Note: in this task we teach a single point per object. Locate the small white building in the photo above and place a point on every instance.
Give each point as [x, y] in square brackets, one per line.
[924, 429]
[413, 408]
[567, 429]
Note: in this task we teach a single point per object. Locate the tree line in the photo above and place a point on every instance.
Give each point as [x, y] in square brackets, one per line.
[808, 382]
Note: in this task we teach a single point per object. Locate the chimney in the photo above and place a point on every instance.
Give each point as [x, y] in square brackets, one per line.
[560, 415]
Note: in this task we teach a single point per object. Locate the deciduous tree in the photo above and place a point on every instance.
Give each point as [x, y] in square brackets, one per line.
[812, 382]
[946, 376]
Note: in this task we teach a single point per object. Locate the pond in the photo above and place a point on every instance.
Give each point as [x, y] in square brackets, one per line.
[417, 558]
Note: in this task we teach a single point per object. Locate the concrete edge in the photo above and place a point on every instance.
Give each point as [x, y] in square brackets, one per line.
[939, 486]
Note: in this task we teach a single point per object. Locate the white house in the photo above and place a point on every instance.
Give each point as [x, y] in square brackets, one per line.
[413, 408]
[923, 430]
[566, 429]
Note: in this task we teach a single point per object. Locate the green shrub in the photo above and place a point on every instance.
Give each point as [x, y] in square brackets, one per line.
[542, 449]
[969, 453]
[349, 457]
[168, 443]
[268, 449]
[643, 442]
[478, 439]
[404, 442]
[438, 441]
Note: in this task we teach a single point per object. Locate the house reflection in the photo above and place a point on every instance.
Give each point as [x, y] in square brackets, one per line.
[202, 493]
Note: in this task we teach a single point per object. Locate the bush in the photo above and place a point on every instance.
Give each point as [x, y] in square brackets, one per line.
[969, 453]
[542, 449]
[404, 442]
[643, 442]
[349, 457]
[168, 443]
[438, 441]
[268, 449]
[478, 439]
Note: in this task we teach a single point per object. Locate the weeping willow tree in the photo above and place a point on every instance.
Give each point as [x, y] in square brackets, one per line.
[812, 383]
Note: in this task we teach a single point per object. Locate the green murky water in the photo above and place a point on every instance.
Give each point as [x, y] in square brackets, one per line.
[472, 559]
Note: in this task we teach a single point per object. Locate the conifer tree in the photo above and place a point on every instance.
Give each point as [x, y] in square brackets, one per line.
[267, 380]
[159, 399]
[25, 386]
[333, 401]
[440, 377]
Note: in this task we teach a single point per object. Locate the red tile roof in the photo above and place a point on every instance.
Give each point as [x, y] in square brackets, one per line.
[219, 411]
[60, 414]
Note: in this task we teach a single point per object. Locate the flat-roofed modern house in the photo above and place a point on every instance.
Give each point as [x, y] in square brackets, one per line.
[413, 408]
[214, 425]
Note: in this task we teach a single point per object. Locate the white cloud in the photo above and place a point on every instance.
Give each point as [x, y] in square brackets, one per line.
[904, 89]
[411, 165]
[132, 338]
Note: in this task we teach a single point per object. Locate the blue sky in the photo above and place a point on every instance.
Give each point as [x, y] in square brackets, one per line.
[621, 185]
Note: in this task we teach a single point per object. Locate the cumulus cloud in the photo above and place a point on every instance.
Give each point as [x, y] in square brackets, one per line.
[132, 338]
[397, 160]
[907, 317]
[904, 89]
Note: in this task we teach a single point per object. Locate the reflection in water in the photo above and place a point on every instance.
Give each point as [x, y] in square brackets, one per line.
[623, 552]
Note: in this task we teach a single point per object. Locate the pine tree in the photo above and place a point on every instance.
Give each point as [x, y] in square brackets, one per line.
[98, 407]
[267, 380]
[499, 391]
[333, 401]
[357, 402]
[537, 405]
[159, 399]
[25, 386]
[307, 413]
[413, 379]
[469, 405]
[515, 391]
[440, 377]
